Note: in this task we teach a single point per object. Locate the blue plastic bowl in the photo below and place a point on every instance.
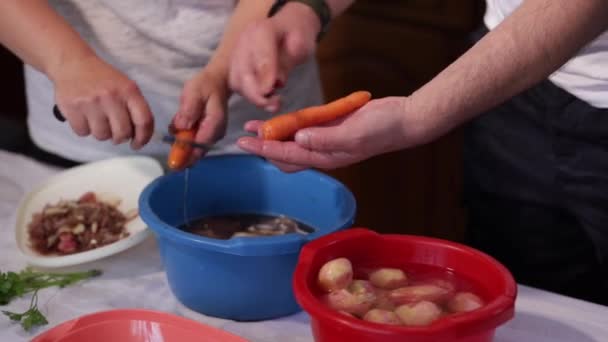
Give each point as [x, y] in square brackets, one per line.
[244, 278]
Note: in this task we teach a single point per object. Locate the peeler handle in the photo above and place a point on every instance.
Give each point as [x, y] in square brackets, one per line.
[58, 115]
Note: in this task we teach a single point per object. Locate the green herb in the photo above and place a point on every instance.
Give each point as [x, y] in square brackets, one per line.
[30, 318]
[14, 285]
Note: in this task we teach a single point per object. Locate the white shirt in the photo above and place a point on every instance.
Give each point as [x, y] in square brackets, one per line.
[159, 44]
[585, 75]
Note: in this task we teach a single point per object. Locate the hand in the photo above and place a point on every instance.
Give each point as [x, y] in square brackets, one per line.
[96, 99]
[381, 126]
[203, 106]
[268, 49]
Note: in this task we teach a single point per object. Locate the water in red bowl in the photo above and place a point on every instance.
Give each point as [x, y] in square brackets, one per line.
[425, 261]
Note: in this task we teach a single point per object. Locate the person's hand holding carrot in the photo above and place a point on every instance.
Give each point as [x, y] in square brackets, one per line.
[202, 113]
[380, 126]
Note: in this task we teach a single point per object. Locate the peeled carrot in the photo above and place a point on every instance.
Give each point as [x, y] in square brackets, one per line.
[180, 151]
[284, 126]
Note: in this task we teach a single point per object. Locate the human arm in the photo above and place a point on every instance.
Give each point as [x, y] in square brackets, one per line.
[269, 48]
[95, 98]
[533, 42]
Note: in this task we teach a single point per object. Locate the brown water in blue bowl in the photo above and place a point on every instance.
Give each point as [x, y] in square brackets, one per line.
[245, 225]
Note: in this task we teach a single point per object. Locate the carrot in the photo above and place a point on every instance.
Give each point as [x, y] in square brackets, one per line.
[284, 126]
[180, 151]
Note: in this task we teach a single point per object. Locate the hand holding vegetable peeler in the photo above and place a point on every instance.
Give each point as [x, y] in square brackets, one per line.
[157, 136]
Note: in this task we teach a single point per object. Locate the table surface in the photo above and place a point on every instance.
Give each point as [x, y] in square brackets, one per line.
[135, 279]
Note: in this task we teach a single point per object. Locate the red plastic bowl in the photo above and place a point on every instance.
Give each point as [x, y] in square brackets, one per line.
[130, 325]
[362, 246]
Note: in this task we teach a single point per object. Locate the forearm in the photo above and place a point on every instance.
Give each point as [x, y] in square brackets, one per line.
[246, 12]
[38, 35]
[539, 37]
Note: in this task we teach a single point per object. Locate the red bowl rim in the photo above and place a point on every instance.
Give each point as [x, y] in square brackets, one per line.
[494, 313]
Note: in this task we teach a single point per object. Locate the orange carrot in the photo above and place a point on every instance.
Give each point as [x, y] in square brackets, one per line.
[180, 151]
[284, 126]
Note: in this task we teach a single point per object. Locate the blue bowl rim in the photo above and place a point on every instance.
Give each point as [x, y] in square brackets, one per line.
[246, 246]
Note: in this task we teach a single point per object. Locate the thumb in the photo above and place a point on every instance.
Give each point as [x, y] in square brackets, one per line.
[213, 125]
[190, 108]
[322, 139]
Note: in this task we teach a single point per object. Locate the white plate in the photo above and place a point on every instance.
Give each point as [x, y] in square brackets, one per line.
[122, 177]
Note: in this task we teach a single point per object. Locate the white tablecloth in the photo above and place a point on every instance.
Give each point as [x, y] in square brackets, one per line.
[135, 279]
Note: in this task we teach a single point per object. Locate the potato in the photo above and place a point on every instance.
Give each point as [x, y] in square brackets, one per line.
[361, 287]
[464, 302]
[382, 316]
[357, 304]
[335, 275]
[417, 293]
[388, 278]
[418, 314]
[383, 300]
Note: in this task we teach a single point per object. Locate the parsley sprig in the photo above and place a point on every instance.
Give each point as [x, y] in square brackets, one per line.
[14, 285]
[31, 317]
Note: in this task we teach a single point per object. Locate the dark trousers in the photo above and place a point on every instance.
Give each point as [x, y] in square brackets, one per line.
[536, 188]
[14, 138]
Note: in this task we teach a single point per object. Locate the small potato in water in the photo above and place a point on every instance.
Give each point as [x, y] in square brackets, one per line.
[417, 293]
[356, 304]
[361, 287]
[383, 300]
[418, 314]
[388, 278]
[464, 302]
[382, 316]
[335, 275]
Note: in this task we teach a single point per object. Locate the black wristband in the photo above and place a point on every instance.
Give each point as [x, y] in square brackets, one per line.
[320, 8]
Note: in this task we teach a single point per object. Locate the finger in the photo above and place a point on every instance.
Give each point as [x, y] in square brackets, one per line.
[98, 123]
[288, 168]
[253, 126]
[286, 152]
[274, 104]
[265, 58]
[77, 121]
[238, 64]
[142, 119]
[213, 126]
[251, 90]
[324, 139]
[191, 107]
[278, 84]
[242, 77]
[119, 119]
[240, 61]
